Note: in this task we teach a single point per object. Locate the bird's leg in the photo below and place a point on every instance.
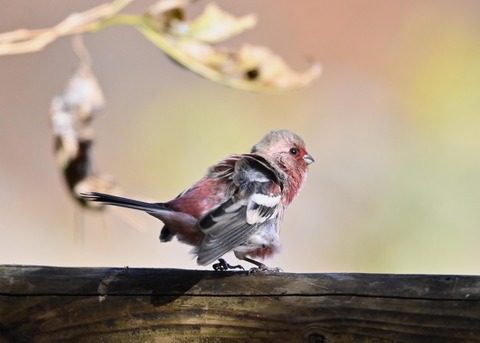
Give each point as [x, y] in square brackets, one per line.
[260, 267]
[222, 265]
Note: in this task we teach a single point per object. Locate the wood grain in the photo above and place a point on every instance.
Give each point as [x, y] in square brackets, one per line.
[50, 304]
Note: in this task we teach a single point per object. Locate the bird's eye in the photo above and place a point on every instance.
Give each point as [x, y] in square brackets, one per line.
[294, 151]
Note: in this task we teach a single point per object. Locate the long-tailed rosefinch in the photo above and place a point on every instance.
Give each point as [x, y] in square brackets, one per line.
[238, 205]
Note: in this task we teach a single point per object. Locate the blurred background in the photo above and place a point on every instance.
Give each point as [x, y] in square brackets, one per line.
[393, 123]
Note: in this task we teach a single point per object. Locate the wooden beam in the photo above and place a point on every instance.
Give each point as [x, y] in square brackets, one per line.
[50, 304]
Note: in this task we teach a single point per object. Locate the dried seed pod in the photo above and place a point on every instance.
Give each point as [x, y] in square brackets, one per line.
[71, 116]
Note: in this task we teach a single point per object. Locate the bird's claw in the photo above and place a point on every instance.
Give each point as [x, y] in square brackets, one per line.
[264, 269]
[222, 265]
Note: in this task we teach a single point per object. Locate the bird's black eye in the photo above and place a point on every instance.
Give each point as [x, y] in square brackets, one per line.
[294, 151]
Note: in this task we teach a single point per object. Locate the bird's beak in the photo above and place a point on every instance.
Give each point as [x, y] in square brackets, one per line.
[308, 159]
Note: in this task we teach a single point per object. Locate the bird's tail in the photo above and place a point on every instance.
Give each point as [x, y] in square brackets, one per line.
[114, 200]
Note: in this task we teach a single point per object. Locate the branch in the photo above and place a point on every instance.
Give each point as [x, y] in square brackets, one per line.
[25, 41]
[191, 43]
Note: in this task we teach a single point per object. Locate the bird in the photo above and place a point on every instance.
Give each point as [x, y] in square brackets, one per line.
[237, 206]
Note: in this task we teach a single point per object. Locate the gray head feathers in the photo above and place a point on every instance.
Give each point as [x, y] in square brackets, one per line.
[277, 136]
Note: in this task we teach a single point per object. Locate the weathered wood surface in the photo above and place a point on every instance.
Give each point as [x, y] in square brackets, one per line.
[49, 304]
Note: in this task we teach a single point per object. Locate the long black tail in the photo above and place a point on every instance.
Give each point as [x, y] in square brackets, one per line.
[114, 200]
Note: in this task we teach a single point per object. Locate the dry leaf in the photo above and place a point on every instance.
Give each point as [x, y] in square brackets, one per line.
[84, 94]
[187, 42]
[259, 64]
[71, 115]
[212, 26]
[252, 68]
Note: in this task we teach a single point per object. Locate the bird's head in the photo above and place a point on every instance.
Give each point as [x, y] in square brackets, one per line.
[285, 148]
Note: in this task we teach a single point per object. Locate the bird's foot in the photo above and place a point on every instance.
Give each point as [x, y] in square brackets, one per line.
[264, 269]
[222, 265]
[260, 267]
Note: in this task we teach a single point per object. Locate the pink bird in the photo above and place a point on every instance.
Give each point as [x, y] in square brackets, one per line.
[237, 206]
